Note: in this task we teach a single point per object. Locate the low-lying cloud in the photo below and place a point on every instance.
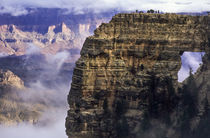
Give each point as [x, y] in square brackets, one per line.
[3, 55]
[32, 49]
[18, 7]
[47, 88]
[54, 130]
[58, 59]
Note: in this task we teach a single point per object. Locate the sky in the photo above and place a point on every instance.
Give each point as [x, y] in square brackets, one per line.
[17, 7]
[191, 60]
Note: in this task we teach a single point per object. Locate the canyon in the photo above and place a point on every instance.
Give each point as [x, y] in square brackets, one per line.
[125, 83]
[37, 56]
[124, 79]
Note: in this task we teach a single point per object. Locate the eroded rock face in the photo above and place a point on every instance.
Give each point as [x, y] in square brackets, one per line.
[40, 48]
[19, 104]
[13, 109]
[129, 67]
[10, 79]
[52, 30]
[16, 41]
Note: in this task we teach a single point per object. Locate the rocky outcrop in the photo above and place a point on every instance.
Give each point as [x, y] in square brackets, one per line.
[7, 78]
[127, 70]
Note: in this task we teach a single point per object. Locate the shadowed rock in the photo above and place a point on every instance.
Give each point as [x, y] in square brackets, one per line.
[131, 63]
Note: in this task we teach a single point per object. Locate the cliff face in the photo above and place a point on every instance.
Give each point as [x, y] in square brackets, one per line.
[128, 69]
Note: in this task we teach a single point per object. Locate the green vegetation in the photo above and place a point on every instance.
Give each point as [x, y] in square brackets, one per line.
[122, 127]
[105, 106]
[151, 11]
[161, 105]
[202, 131]
[121, 108]
[188, 104]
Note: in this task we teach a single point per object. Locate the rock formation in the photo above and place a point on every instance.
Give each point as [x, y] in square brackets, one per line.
[40, 48]
[52, 30]
[13, 109]
[19, 104]
[15, 41]
[7, 78]
[127, 73]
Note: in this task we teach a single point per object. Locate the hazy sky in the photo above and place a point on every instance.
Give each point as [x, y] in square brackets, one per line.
[189, 60]
[17, 7]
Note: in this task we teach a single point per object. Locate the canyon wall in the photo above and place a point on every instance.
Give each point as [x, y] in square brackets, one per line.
[128, 69]
[40, 49]
[51, 30]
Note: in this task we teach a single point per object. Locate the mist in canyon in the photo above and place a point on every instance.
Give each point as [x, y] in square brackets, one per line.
[44, 90]
[44, 61]
[55, 129]
[47, 75]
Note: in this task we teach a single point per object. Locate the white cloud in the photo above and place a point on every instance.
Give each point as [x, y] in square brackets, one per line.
[3, 55]
[32, 49]
[42, 91]
[58, 59]
[17, 7]
[55, 130]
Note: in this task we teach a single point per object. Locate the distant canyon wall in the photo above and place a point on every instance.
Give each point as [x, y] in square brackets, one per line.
[37, 53]
[52, 30]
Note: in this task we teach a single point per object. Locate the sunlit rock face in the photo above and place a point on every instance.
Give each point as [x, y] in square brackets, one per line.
[52, 30]
[7, 78]
[128, 68]
[39, 49]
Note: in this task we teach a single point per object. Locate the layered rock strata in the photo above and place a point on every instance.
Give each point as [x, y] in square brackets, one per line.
[126, 61]
[40, 48]
[52, 30]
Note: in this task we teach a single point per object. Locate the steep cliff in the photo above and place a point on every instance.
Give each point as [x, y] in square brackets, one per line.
[125, 82]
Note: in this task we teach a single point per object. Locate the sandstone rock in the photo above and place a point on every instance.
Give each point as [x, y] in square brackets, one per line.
[127, 65]
[52, 30]
[7, 78]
